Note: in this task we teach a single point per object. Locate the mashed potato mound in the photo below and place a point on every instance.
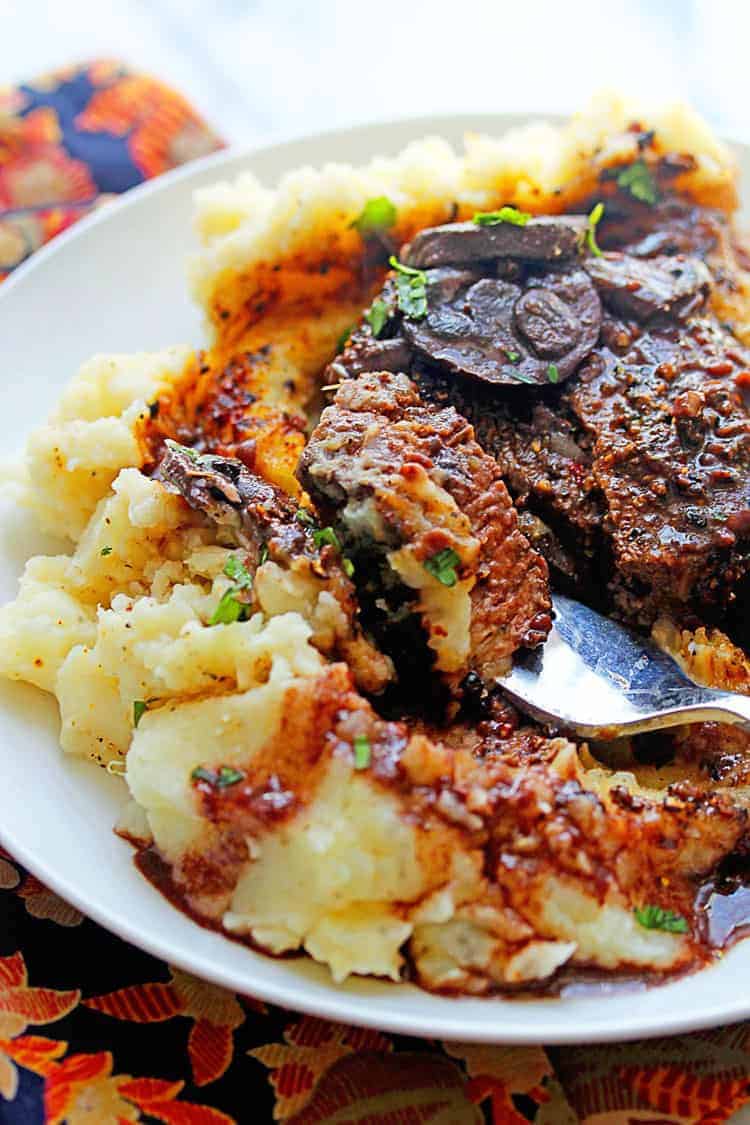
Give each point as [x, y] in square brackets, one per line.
[72, 460]
[287, 810]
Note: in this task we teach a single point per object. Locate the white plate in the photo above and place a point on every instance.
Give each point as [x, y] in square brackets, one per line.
[116, 283]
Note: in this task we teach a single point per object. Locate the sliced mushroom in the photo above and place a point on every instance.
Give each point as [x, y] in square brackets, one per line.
[644, 287]
[505, 332]
[246, 507]
[549, 238]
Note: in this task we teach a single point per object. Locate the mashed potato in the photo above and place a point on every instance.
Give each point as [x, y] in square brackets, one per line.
[71, 462]
[287, 811]
[243, 225]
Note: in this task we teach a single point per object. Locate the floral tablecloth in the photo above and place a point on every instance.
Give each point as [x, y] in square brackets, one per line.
[92, 1031]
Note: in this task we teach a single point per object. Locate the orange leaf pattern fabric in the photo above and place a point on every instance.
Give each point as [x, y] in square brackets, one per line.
[94, 1032]
[70, 139]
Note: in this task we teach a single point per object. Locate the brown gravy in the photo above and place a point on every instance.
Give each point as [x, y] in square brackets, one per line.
[724, 901]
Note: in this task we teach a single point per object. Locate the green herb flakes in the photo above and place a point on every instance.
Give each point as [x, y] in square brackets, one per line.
[347, 566]
[304, 517]
[553, 374]
[377, 316]
[263, 555]
[655, 918]
[229, 609]
[229, 776]
[504, 215]
[594, 216]
[139, 707]
[513, 357]
[411, 289]
[442, 566]
[193, 454]
[377, 214]
[106, 551]
[326, 535]
[221, 778]
[341, 342]
[235, 569]
[201, 774]
[637, 179]
[362, 752]
[232, 607]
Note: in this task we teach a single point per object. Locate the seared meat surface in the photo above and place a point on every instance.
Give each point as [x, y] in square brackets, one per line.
[294, 564]
[632, 474]
[671, 451]
[409, 483]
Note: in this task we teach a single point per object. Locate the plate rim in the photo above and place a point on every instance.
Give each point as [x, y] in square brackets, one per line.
[336, 1003]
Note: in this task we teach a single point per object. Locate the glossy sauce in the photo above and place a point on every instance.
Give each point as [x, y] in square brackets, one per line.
[220, 405]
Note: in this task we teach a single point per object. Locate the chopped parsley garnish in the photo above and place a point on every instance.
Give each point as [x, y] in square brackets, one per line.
[326, 535]
[442, 565]
[201, 774]
[594, 216]
[377, 214]
[637, 179]
[656, 918]
[362, 752]
[139, 707]
[235, 569]
[305, 517]
[504, 215]
[193, 454]
[524, 378]
[377, 316]
[553, 374]
[106, 551]
[513, 357]
[263, 555]
[411, 289]
[221, 778]
[229, 609]
[341, 342]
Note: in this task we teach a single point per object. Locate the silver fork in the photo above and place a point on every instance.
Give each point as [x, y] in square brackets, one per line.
[596, 678]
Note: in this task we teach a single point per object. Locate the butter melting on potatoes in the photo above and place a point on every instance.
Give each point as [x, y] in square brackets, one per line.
[502, 331]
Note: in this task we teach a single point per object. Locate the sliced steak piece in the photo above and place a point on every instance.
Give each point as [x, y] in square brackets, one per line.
[671, 453]
[647, 287]
[550, 238]
[670, 226]
[544, 456]
[409, 484]
[501, 331]
[375, 344]
[295, 565]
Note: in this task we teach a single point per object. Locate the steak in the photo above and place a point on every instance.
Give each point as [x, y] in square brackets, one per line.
[606, 386]
[408, 484]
